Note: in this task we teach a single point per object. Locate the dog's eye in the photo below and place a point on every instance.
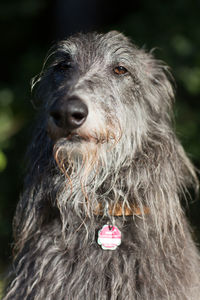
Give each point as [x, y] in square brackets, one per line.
[63, 66]
[119, 70]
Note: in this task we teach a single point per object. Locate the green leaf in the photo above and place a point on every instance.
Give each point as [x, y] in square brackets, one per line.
[3, 161]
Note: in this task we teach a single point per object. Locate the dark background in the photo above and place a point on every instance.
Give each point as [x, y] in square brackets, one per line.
[28, 29]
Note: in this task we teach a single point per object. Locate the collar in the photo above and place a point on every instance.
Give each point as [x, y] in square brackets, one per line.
[120, 209]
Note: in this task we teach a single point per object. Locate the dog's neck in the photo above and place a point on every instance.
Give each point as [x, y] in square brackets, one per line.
[120, 209]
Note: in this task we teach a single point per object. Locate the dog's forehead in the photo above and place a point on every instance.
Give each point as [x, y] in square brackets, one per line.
[93, 46]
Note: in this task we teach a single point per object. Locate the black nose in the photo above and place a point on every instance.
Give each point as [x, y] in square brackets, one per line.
[70, 113]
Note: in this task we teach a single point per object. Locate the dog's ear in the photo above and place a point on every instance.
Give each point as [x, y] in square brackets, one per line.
[39, 88]
[40, 84]
[159, 71]
[160, 84]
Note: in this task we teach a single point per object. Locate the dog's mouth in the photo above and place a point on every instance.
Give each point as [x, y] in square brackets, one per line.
[76, 137]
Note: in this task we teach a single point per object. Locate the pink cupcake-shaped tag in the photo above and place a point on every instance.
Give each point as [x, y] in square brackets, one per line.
[109, 237]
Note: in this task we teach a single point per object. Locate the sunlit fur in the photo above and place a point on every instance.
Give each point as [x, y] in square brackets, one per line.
[128, 154]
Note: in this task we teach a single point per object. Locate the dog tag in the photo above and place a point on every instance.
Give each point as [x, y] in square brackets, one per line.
[109, 237]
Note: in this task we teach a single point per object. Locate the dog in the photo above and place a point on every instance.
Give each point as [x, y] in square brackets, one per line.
[100, 217]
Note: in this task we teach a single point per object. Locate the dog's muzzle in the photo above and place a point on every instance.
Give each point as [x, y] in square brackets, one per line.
[65, 116]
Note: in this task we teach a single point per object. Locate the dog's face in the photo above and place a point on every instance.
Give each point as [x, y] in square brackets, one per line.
[100, 91]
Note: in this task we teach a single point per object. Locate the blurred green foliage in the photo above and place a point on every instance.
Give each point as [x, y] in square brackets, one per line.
[26, 34]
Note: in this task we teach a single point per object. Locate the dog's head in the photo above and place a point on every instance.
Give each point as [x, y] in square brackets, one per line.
[99, 91]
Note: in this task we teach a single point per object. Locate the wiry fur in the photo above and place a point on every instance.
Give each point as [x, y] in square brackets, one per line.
[128, 154]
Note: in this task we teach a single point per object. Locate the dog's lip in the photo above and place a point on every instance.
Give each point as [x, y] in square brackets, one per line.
[75, 137]
[79, 137]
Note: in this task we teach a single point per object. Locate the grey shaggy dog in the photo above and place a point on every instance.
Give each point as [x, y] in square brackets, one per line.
[104, 152]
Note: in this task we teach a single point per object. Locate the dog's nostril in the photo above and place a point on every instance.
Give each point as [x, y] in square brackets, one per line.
[78, 116]
[70, 114]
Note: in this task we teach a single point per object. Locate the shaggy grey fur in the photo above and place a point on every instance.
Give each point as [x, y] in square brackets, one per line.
[125, 152]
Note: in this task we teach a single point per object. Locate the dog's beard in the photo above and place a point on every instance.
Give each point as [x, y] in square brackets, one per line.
[83, 157]
[76, 159]
[82, 165]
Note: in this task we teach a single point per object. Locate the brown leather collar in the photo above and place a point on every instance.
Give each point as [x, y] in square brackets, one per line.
[120, 210]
